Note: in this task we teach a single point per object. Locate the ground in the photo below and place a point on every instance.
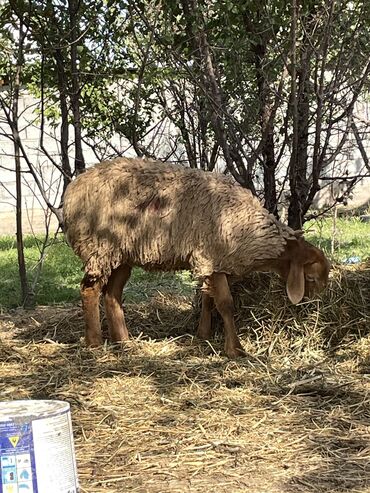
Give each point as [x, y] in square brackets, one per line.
[169, 413]
[33, 221]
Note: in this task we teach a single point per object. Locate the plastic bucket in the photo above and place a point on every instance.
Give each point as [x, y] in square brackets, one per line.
[36, 448]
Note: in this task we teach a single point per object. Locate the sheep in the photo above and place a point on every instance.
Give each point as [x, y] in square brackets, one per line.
[158, 216]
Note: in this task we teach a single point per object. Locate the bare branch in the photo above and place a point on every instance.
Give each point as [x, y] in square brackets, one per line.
[361, 147]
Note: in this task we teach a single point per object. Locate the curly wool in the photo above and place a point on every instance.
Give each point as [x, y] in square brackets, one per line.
[163, 216]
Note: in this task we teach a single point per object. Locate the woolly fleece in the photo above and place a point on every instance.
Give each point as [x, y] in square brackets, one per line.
[163, 216]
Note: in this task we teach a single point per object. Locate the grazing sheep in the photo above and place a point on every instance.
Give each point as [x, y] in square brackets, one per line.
[132, 212]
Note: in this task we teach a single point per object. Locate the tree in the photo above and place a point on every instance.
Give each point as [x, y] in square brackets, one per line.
[265, 92]
[273, 86]
[10, 107]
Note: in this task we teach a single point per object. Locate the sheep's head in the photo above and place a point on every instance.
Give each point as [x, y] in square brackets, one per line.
[307, 270]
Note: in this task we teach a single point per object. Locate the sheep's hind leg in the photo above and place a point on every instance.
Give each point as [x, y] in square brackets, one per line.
[113, 303]
[90, 293]
[219, 289]
[205, 323]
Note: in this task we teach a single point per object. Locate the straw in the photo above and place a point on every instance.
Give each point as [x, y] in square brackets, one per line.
[169, 413]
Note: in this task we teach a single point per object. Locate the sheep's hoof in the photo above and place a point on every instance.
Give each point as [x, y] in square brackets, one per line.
[124, 337]
[234, 352]
[205, 333]
[94, 342]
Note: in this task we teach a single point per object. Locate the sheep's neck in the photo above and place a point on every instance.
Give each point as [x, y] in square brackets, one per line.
[279, 266]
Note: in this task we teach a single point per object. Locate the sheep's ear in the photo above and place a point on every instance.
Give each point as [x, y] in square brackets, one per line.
[295, 283]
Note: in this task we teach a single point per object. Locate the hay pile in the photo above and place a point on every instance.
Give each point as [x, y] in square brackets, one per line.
[266, 317]
[168, 413]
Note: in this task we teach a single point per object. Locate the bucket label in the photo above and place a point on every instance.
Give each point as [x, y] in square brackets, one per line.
[17, 464]
[38, 456]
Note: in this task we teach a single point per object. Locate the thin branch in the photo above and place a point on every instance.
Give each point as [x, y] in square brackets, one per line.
[360, 144]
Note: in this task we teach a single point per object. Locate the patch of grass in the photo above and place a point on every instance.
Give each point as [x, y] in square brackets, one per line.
[351, 237]
[59, 280]
[62, 273]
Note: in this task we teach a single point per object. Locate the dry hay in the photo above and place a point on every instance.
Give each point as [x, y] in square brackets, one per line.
[265, 315]
[168, 413]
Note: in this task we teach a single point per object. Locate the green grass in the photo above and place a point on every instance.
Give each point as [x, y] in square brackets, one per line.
[351, 237]
[61, 271]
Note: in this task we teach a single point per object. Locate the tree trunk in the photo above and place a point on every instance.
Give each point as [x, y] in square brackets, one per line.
[64, 131]
[26, 296]
[301, 188]
[265, 113]
[294, 210]
[269, 180]
[73, 7]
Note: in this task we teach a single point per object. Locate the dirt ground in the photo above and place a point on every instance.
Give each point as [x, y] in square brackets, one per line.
[33, 222]
[169, 413]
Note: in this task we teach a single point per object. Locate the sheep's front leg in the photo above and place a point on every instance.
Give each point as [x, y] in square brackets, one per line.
[219, 289]
[90, 293]
[113, 303]
[205, 324]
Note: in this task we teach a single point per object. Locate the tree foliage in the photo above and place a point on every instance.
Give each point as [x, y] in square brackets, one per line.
[265, 91]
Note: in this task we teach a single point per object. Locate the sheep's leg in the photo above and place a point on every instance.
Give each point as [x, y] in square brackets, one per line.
[113, 303]
[219, 289]
[205, 324]
[90, 293]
